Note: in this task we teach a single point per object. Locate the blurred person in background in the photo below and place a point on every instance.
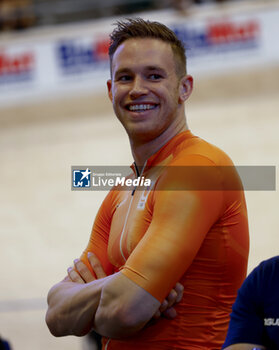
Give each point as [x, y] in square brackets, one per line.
[16, 15]
[254, 320]
[4, 344]
[181, 242]
[184, 5]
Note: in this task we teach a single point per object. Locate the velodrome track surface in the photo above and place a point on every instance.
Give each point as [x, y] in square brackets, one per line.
[44, 225]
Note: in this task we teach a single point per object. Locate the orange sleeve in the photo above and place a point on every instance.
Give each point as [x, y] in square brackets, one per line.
[181, 220]
[98, 241]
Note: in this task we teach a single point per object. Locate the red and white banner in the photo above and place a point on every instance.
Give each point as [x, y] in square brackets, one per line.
[75, 60]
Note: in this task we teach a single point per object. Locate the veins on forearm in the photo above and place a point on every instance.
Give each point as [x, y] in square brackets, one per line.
[72, 307]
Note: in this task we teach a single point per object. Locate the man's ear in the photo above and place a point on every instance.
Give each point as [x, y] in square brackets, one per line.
[109, 84]
[185, 88]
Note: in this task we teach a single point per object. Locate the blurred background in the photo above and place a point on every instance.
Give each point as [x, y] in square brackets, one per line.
[54, 113]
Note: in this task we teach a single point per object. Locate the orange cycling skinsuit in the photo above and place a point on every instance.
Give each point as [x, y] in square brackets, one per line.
[195, 235]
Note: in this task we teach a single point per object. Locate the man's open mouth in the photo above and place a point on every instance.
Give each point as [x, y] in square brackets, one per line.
[141, 107]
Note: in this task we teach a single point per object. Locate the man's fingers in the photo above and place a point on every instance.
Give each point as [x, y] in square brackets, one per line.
[74, 276]
[157, 315]
[84, 271]
[163, 306]
[81, 273]
[179, 288]
[96, 265]
[171, 298]
[170, 313]
[174, 297]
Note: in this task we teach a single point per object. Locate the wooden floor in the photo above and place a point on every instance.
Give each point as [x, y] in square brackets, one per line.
[44, 225]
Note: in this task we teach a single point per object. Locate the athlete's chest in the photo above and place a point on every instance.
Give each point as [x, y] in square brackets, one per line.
[131, 219]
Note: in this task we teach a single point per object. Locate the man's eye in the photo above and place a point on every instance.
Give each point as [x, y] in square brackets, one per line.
[155, 76]
[124, 78]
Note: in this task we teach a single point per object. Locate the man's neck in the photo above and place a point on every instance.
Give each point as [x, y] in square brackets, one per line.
[142, 151]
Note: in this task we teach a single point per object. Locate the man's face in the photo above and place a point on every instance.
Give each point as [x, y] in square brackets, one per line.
[145, 89]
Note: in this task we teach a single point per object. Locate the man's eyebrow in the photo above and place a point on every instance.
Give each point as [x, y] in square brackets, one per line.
[123, 70]
[155, 68]
[147, 69]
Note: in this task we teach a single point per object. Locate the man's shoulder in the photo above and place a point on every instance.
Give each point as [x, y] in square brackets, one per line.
[200, 152]
[264, 276]
[268, 268]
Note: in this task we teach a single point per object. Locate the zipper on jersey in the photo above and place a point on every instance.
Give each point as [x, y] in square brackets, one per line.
[138, 174]
[128, 211]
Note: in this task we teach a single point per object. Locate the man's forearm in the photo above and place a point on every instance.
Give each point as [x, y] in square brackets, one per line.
[72, 307]
[124, 308]
[113, 304]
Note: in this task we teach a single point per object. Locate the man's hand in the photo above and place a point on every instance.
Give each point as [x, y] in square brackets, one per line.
[81, 274]
[166, 308]
[73, 302]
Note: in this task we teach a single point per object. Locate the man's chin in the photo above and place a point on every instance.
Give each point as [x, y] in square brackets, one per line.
[142, 134]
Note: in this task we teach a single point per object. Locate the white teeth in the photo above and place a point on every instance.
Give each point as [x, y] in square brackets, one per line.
[141, 107]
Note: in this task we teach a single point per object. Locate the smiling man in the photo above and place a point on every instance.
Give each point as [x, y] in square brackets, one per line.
[187, 231]
[148, 94]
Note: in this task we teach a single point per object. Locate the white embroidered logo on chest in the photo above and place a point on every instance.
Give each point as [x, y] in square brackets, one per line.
[143, 198]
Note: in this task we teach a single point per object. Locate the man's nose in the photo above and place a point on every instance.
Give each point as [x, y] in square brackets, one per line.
[138, 88]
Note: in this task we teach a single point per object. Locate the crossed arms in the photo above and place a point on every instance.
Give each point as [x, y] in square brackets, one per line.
[116, 306]
[109, 304]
